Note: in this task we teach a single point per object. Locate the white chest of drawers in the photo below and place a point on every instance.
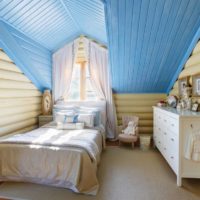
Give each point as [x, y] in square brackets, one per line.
[171, 129]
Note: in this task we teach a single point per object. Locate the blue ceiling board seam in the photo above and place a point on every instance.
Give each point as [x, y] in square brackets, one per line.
[156, 44]
[37, 14]
[23, 12]
[147, 36]
[29, 14]
[141, 31]
[160, 38]
[165, 42]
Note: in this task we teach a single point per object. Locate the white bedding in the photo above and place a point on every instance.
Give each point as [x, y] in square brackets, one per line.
[64, 158]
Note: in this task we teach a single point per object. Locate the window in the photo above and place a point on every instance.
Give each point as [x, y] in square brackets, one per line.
[81, 87]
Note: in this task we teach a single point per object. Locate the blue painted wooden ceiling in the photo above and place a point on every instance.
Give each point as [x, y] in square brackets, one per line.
[148, 40]
[55, 22]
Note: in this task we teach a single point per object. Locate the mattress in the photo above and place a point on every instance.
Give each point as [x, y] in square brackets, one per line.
[62, 158]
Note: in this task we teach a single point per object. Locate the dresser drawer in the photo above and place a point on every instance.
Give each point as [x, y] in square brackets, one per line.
[173, 125]
[173, 161]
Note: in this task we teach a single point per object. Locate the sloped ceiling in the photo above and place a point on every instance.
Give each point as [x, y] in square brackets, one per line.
[149, 41]
[53, 23]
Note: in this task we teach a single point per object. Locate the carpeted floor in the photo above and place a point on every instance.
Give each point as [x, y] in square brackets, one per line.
[123, 174]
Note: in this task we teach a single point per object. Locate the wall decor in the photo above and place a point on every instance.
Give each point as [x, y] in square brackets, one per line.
[196, 85]
[182, 84]
[195, 107]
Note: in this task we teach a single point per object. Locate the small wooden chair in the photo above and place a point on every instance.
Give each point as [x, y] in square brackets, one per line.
[123, 138]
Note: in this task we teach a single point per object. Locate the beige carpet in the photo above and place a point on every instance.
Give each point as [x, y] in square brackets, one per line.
[124, 174]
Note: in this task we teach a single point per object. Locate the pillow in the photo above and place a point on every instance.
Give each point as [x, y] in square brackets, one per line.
[95, 111]
[87, 119]
[66, 117]
[69, 126]
[66, 126]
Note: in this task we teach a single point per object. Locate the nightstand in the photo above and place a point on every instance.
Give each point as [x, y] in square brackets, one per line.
[45, 119]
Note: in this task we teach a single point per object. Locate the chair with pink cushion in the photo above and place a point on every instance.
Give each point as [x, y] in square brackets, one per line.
[124, 138]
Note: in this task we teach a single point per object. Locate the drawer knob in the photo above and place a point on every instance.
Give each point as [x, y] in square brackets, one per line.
[165, 133]
[172, 157]
[172, 124]
[172, 139]
[165, 149]
[165, 120]
[159, 142]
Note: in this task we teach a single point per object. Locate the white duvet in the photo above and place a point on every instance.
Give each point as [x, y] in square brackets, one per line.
[64, 158]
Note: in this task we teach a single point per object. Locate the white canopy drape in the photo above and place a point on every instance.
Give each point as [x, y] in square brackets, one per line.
[63, 62]
[100, 77]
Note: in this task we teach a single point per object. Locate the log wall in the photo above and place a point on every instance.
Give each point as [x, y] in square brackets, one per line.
[139, 105]
[191, 67]
[20, 100]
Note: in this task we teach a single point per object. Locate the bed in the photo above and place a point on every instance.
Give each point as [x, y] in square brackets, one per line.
[62, 158]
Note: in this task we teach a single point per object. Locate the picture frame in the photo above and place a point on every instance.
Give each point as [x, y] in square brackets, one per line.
[196, 85]
[195, 107]
[182, 83]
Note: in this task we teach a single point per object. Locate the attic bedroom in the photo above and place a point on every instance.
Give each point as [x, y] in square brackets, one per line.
[99, 99]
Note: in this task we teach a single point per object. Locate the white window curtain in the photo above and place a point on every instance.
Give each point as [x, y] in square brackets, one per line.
[100, 77]
[63, 62]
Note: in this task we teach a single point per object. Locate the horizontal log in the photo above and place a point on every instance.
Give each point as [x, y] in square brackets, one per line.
[19, 109]
[12, 102]
[119, 103]
[4, 74]
[8, 93]
[142, 123]
[128, 109]
[190, 71]
[9, 66]
[18, 126]
[143, 116]
[196, 49]
[13, 119]
[139, 96]
[3, 56]
[24, 130]
[193, 60]
[10, 84]
[144, 130]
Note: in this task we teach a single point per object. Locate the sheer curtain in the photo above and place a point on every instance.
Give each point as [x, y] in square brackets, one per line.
[63, 62]
[100, 77]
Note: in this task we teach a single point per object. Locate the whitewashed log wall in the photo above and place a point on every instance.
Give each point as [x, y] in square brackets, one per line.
[139, 105]
[20, 100]
[191, 67]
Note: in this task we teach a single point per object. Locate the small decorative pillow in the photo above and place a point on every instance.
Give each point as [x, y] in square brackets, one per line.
[66, 117]
[69, 126]
[66, 126]
[87, 119]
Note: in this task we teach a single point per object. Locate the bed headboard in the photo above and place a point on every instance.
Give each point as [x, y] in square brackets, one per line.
[101, 105]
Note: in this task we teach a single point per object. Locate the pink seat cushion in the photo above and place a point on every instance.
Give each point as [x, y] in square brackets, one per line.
[127, 138]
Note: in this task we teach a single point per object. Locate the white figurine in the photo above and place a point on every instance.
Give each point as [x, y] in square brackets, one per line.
[131, 128]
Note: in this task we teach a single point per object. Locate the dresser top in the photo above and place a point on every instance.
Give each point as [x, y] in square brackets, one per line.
[182, 113]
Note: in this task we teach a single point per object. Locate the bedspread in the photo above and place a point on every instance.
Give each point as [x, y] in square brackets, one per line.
[54, 157]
